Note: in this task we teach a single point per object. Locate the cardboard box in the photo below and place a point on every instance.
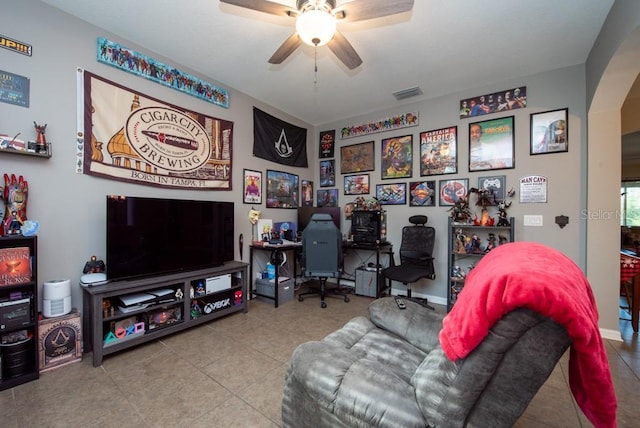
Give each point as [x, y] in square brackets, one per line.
[60, 341]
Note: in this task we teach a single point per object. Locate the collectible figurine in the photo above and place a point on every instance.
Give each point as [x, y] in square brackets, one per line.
[15, 202]
[503, 220]
[41, 140]
[460, 212]
[460, 241]
[492, 242]
[476, 246]
[502, 239]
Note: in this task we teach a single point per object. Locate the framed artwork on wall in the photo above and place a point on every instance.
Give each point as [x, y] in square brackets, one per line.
[328, 198]
[397, 157]
[439, 151]
[327, 173]
[550, 132]
[491, 144]
[452, 190]
[357, 158]
[282, 189]
[327, 143]
[356, 184]
[495, 185]
[307, 193]
[252, 187]
[422, 193]
[392, 194]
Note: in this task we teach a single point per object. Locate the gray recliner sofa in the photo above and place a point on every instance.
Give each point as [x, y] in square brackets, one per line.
[389, 370]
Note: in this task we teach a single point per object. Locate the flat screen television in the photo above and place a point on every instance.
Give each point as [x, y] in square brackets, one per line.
[154, 236]
[305, 213]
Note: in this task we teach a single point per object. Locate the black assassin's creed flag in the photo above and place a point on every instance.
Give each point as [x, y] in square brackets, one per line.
[278, 141]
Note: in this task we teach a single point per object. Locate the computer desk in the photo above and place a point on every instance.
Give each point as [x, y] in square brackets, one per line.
[384, 247]
[273, 250]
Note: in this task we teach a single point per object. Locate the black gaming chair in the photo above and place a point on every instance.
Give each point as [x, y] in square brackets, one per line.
[322, 256]
[416, 255]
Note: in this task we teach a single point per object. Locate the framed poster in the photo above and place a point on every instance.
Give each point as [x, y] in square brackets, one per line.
[438, 151]
[357, 158]
[328, 198]
[550, 132]
[282, 189]
[491, 144]
[307, 193]
[356, 184]
[397, 157]
[252, 187]
[494, 185]
[496, 102]
[327, 144]
[422, 193]
[392, 194]
[327, 173]
[452, 190]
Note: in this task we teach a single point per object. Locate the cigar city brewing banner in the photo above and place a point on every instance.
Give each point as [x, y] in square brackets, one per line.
[128, 136]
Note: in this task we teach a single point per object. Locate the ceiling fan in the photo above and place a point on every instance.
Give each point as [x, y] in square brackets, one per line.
[316, 23]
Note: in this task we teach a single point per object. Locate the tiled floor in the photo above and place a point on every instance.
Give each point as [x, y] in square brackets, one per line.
[229, 373]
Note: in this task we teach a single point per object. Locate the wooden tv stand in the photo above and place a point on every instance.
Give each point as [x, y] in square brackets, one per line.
[107, 328]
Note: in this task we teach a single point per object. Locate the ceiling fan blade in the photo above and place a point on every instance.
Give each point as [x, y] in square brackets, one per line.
[341, 47]
[262, 6]
[286, 49]
[360, 10]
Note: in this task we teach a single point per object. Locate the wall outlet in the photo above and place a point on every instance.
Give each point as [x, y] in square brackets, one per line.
[532, 220]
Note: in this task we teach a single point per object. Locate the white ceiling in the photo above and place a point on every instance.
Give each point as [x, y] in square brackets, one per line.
[442, 46]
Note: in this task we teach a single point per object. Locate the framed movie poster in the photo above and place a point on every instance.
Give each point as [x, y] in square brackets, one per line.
[356, 184]
[392, 194]
[491, 144]
[439, 151]
[550, 132]
[495, 185]
[327, 173]
[397, 157]
[328, 198]
[252, 187]
[422, 193]
[327, 143]
[452, 190]
[357, 158]
[282, 189]
[307, 193]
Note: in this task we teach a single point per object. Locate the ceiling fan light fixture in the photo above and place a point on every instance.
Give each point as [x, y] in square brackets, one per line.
[316, 27]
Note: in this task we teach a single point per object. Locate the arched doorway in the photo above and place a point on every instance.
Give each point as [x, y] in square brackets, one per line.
[604, 174]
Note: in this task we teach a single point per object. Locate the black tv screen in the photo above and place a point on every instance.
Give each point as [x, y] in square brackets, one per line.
[305, 213]
[152, 236]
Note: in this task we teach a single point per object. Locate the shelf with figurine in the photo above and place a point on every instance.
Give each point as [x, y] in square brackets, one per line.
[471, 236]
[39, 148]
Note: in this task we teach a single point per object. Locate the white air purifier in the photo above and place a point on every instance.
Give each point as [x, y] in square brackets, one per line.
[56, 298]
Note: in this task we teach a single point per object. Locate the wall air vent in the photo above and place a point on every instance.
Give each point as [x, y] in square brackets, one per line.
[407, 93]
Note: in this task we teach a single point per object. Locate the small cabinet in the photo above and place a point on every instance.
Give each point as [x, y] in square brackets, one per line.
[123, 314]
[18, 310]
[467, 244]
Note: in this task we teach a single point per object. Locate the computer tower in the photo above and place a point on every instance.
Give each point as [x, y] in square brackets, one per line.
[369, 226]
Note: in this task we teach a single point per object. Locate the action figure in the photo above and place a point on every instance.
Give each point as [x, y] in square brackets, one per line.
[503, 220]
[460, 212]
[13, 224]
[492, 242]
[502, 239]
[476, 247]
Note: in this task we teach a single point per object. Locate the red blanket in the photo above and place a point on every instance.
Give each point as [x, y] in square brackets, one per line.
[526, 274]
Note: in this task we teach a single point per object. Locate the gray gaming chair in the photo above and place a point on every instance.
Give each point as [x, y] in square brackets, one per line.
[321, 255]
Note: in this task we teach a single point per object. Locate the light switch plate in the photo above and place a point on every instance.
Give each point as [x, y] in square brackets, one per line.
[532, 220]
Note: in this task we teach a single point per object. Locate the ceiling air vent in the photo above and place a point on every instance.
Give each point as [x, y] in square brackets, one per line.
[407, 93]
